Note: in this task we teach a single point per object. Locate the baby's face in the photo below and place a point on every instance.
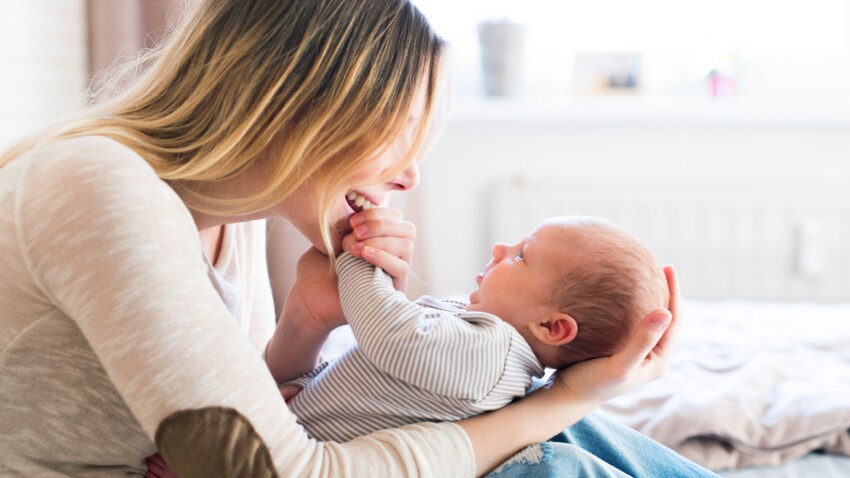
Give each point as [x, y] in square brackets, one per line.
[517, 283]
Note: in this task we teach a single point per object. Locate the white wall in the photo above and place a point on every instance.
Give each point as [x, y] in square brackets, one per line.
[484, 143]
[43, 60]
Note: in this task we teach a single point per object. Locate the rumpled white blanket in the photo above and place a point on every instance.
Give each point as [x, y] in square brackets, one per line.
[750, 384]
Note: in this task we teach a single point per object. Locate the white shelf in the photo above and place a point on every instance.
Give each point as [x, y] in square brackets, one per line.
[645, 110]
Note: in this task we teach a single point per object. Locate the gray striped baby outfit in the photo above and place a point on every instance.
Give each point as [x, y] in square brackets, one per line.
[427, 360]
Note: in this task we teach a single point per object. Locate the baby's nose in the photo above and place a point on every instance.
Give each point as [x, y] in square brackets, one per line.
[499, 251]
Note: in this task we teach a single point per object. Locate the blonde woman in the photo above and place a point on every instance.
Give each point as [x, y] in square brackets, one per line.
[135, 309]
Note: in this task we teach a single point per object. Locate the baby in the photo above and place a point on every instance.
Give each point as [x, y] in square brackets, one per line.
[572, 290]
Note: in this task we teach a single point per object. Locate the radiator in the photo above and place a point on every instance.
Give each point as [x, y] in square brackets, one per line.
[771, 240]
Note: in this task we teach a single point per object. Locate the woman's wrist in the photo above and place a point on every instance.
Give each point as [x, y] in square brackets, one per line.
[295, 346]
[535, 418]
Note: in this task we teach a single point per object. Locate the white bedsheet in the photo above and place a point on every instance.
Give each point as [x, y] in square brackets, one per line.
[814, 465]
[750, 384]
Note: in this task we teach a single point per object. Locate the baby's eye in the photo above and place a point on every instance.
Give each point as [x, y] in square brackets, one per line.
[521, 254]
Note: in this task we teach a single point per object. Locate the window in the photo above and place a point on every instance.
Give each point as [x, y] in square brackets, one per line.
[776, 48]
[44, 64]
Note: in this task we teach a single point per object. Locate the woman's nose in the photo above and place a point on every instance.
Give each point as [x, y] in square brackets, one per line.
[408, 178]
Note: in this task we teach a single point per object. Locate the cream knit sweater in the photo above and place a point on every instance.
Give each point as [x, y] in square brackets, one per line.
[110, 322]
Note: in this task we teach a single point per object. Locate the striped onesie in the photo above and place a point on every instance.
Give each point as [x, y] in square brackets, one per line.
[427, 360]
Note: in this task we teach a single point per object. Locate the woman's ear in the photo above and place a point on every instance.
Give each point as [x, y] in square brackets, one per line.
[557, 329]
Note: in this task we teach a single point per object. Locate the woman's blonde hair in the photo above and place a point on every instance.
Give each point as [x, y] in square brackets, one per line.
[336, 79]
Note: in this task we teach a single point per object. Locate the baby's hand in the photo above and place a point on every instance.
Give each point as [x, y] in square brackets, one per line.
[383, 238]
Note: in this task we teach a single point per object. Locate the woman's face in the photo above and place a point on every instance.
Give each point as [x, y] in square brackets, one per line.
[367, 189]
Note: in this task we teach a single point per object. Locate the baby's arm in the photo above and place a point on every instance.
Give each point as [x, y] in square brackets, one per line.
[427, 348]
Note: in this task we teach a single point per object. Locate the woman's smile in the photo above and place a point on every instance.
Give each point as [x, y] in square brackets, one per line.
[359, 201]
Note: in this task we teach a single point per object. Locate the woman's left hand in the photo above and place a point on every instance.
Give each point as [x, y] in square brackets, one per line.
[644, 357]
[383, 238]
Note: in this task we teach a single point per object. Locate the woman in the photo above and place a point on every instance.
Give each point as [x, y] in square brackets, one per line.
[122, 333]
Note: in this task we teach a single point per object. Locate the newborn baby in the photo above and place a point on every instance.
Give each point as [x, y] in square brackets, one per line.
[572, 290]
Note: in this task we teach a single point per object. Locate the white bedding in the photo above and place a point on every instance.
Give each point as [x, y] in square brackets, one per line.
[814, 465]
[774, 377]
[750, 384]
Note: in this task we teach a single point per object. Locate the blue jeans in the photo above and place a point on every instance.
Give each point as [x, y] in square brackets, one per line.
[597, 446]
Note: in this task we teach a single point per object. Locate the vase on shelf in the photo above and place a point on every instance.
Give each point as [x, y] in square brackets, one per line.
[501, 45]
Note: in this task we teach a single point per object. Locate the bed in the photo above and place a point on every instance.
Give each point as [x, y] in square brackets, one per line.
[753, 387]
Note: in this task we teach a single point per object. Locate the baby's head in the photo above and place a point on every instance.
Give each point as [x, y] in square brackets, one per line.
[574, 288]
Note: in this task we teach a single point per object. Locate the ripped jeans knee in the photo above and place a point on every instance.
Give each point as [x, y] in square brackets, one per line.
[550, 459]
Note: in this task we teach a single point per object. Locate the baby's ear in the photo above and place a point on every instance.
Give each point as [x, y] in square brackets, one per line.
[558, 328]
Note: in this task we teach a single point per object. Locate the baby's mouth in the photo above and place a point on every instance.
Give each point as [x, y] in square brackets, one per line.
[358, 202]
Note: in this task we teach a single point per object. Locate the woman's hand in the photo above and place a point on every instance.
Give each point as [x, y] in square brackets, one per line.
[313, 299]
[311, 311]
[383, 238]
[497, 435]
[644, 357]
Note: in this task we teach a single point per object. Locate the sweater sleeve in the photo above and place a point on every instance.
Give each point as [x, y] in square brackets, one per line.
[428, 348]
[114, 248]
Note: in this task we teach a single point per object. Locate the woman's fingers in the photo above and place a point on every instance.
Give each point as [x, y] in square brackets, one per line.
[604, 378]
[371, 229]
[398, 247]
[669, 337]
[644, 341]
[375, 214]
[396, 267]
[384, 229]
[381, 222]
[383, 238]
[655, 335]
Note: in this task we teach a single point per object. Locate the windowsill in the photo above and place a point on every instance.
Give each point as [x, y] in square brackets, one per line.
[643, 110]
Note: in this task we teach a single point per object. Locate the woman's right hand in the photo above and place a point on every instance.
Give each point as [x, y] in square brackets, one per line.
[644, 358]
[311, 312]
[385, 239]
[313, 300]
